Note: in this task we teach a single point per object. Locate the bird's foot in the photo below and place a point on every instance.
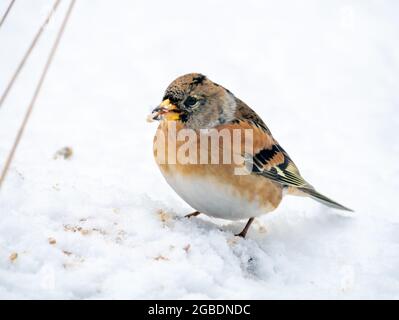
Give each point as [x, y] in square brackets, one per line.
[194, 214]
[244, 231]
[242, 234]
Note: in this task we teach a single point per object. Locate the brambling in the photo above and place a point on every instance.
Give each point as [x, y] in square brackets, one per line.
[194, 104]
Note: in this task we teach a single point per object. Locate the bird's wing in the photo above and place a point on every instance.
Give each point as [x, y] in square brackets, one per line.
[269, 159]
[274, 163]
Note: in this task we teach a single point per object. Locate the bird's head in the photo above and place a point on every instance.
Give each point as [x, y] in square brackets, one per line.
[197, 102]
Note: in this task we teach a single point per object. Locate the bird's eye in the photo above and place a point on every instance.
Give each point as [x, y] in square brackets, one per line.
[190, 102]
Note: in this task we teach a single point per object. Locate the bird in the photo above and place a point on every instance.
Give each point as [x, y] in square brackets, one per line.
[193, 103]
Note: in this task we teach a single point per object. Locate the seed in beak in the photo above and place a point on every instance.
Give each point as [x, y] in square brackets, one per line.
[166, 110]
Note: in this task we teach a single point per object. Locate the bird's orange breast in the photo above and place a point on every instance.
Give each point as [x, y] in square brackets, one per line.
[186, 158]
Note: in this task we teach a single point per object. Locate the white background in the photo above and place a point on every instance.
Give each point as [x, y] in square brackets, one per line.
[324, 75]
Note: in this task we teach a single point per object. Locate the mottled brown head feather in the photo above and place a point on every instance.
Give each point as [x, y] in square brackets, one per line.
[214, 104]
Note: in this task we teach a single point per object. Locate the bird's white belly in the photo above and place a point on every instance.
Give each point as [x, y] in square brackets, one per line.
[218, 200]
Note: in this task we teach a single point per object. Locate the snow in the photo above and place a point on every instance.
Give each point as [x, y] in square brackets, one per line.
[104, 223]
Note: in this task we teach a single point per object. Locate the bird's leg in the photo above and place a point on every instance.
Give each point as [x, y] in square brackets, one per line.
[244, 231]
[194, 214]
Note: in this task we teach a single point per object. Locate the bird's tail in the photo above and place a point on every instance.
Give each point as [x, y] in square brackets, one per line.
[323, 199]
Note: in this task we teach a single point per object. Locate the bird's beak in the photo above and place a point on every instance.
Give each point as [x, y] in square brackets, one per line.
[166, 110]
